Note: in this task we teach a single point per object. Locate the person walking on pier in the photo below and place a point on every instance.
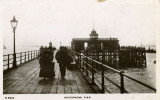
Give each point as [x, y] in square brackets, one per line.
[46, 64]
[62, 58]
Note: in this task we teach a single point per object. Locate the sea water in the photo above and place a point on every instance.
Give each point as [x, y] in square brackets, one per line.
[146, 75]
[18, 50]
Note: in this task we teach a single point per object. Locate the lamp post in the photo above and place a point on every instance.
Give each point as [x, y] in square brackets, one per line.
[14, 23]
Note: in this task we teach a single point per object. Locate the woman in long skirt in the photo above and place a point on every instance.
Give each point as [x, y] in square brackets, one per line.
[46, 65]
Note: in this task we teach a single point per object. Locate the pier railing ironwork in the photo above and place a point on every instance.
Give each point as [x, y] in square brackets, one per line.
[88, 67]
[21, 58]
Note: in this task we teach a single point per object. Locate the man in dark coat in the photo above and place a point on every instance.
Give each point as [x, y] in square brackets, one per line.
[62, 58]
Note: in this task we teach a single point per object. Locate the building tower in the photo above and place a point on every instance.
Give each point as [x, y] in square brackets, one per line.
[50, 44]
[93, 35]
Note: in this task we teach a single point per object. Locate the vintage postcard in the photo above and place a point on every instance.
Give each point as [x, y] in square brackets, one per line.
[79, 49]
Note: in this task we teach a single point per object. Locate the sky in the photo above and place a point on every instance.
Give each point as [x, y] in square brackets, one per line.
[133, 22]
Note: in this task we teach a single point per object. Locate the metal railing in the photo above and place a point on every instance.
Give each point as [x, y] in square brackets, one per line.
[21, 58]
[88, 66]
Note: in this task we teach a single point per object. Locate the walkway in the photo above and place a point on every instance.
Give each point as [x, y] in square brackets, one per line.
[26, 80]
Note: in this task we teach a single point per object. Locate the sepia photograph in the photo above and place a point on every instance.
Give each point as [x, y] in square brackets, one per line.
[79, 49]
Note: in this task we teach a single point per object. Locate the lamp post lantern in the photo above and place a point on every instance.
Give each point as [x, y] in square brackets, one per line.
[14, 23]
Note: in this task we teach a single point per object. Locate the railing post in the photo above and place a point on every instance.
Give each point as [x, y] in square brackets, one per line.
[31, 55]
[80, 61]
[97, 52]
[92, 72]
[102, 85]
[28, 55]
[34, 54]
[20, 57]
[83, 65]
[8, 62]
[103, 57]
[122, 81]
[86, 66]
[37, 53]
[25, 57]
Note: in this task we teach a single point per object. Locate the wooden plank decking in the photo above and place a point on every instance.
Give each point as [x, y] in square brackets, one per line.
[26, 80]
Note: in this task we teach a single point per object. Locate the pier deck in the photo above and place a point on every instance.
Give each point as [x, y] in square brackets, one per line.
[26, 80]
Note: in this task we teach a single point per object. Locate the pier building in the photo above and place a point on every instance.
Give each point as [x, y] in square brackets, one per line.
[95, 43]
[109, 51]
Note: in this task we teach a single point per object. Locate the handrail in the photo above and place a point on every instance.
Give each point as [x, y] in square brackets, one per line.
[22, 57]
[117, 71]
[140, 82]
[121, 73]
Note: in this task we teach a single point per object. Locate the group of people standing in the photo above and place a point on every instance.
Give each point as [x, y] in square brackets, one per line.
[47, 65]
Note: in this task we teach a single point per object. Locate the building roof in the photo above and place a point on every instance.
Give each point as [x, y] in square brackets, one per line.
[93, 32]
[99, 39]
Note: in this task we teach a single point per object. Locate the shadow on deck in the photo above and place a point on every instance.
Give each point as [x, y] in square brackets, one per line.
[26, 80]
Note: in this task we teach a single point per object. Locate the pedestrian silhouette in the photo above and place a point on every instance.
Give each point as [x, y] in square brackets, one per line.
[62, 58]
[46, 65]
